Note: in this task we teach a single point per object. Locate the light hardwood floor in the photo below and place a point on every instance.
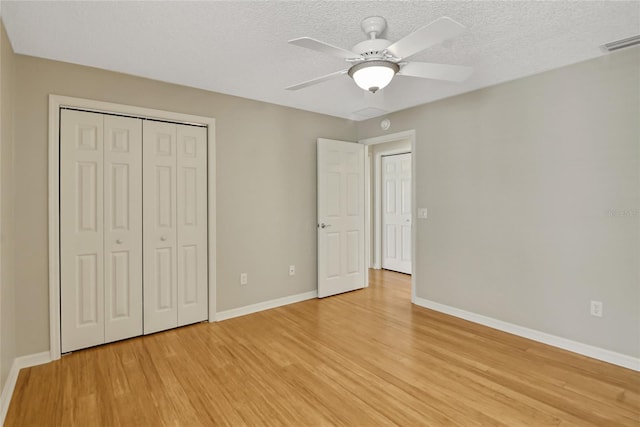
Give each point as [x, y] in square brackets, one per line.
[364, 358]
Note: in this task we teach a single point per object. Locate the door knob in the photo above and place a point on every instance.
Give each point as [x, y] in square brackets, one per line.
[163, 238]
[119, 242]
[323, 225]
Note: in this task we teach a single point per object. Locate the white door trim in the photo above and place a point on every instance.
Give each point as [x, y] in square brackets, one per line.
[57, 101]
[411, 136]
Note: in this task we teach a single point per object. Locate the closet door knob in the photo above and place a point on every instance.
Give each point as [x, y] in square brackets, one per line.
[163, 238]
[119, 241]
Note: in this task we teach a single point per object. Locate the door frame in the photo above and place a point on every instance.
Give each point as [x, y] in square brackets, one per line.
[55, 103]
[393, 137]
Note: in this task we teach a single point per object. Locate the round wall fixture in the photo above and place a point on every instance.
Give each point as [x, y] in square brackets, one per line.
[385, 124]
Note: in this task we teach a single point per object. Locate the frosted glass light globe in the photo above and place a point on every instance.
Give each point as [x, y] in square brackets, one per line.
[373, 75]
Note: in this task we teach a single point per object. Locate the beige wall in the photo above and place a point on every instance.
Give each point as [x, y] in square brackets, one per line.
[7, 282]
[533, 194]
[266, 191]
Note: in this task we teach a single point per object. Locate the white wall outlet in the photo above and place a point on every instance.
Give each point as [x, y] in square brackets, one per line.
[422, 213]
[244, 278]
[596, 308]
[292, 270]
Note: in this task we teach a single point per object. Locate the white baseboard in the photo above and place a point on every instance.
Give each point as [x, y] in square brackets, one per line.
[266, 305]
[553, 340]
[19, 363]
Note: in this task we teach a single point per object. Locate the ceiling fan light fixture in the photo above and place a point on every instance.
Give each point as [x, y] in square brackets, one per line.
[373, 75]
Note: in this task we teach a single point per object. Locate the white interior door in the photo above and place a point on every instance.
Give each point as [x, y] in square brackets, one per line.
[175, 225]
[122, 227]
[100, 228]
[160, 226]
[396, 212]
[192, 224]
[81, 230]
[341, 220]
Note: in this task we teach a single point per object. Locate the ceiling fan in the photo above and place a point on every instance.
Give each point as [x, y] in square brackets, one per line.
[376, 61]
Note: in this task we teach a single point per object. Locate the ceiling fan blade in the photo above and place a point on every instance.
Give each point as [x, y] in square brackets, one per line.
[427, 70]
[323, 47]
[431, 34]
[317, 80]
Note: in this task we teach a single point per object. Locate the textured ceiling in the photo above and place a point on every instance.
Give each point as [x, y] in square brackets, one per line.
[240, 48]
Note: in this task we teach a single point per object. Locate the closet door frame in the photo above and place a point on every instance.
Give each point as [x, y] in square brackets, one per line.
[56, 102]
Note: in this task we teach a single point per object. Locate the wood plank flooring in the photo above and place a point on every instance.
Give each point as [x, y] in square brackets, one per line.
[365, 358]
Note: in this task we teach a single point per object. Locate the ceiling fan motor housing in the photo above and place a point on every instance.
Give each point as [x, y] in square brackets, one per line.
[373, 48]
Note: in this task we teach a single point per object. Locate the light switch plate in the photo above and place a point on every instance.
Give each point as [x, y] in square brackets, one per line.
[422, 213]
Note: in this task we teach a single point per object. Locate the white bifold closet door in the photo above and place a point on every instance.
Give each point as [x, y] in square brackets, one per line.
[396, 212]
[100, 228]
[175, 225]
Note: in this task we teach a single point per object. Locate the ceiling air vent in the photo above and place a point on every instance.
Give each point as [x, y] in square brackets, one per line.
[621, 44]
[368, 113]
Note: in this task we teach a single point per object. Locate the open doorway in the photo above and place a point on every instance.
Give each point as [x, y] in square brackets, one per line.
[390, 201]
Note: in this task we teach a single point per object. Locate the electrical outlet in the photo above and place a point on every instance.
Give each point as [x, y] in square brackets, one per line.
[244, 278]
[292, 270]
[596, 308]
